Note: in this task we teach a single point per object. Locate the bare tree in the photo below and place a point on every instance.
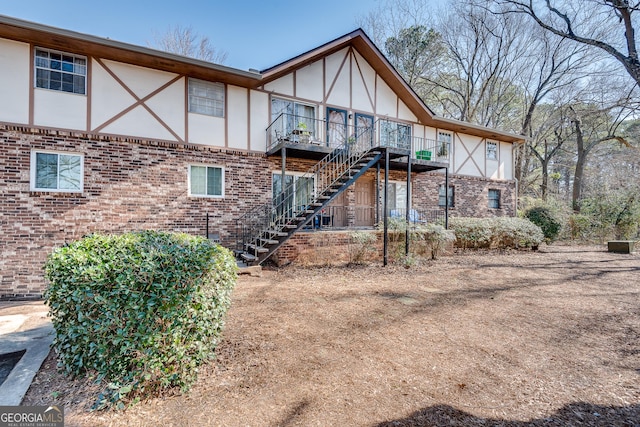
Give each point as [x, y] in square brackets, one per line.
[186, 41]
[595, 23]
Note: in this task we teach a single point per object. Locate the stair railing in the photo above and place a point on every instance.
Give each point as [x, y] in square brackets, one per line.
[287, 207]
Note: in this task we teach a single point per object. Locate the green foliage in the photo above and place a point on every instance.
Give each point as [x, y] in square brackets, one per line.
[614, 214]
[142, 310]
[362, 246]
[546, 220]
[499, 233]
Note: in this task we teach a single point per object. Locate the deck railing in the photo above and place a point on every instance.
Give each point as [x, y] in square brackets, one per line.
[291, 128]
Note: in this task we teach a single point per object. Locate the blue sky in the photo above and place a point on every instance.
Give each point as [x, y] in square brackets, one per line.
[255, 34]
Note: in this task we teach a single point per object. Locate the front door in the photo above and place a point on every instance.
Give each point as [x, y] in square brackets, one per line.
[336, 127]
[364, 130]
[365, 202]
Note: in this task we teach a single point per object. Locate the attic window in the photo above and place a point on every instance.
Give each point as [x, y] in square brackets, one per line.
[492, 150]
[60, 71]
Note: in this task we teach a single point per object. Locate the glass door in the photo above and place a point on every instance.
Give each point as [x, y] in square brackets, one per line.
[336, 127]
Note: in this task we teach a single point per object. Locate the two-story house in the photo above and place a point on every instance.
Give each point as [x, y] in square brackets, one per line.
[102, 136]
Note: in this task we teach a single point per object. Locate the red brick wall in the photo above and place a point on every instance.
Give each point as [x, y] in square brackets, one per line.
[128, 185]
[132, 184]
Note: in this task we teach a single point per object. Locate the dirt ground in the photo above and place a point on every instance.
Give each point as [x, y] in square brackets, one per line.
[548, 338]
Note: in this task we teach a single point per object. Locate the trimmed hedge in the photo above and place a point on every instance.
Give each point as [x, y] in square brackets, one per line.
[499, 233]
[142, 310]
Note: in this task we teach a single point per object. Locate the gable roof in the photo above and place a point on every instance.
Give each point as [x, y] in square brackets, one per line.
[84, 44]
[363, 44]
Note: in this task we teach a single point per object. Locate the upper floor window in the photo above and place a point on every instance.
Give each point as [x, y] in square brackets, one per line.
[492, 150]
[494, 199]
[51, 171]
[206, 181]
[61, 71]
[206, 98]
[444, 143]
[394, 134]
[290, 116]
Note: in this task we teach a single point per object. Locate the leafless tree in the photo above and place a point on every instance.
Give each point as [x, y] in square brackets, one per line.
[186, 41]
[597, 23]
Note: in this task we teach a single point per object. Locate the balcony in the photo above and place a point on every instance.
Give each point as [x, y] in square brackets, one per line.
[305, 137]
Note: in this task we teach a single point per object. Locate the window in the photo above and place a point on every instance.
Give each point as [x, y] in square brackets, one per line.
[52, 171]
[394, 134]
[442, 197]
[293, 116]
[60, 71]
[492, 150]
[444, 143]
[206, 98]
[206, 181]
[298, 193]
[397, 198]
[494, 199]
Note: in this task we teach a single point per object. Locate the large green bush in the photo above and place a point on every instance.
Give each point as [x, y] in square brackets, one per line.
[499, 233]
[545, 219]
[141, 310]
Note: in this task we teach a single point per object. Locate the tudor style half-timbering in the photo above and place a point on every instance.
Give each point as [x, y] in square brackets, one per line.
[98, 135]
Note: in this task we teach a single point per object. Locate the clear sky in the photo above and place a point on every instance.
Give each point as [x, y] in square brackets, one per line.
[255, 34]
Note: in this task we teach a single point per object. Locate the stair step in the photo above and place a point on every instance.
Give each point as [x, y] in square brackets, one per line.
[323, 197]
[316, 204]
[258, 249]
[309, 211]
[290, 226]
[248, 257]
[277, 233]
[270, 241]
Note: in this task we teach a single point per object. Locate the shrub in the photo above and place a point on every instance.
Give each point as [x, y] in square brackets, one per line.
[499, 233]
[362, 246]
[425, 239]
[546, 220]
[142, 310]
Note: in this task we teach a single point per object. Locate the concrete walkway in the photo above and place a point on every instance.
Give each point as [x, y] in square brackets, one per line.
[23, 326]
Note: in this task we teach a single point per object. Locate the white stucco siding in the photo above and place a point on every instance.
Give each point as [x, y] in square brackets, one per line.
[282, 86]
[57, 109]
[206, 130]
[139, 122]
[404, 113]
[238, 117]
[506, 160]
[140, 80]
[469, 155]
[108, 97]
[158, 112]
[364, 85]
[387, 100]
[259, 109]
[309, 82]
[170, 106]
[14, 81]
[339, 86]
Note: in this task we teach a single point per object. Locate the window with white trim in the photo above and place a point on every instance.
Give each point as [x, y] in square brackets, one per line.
[54, 171]
[492, 150]
[206, 181]
[206, 98]
[442, 198]
[60, 71]
[494, 199]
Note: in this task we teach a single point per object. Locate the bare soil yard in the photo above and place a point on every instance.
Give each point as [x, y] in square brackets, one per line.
[495, 339]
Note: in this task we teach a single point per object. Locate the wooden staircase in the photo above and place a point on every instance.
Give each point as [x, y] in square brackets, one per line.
[264, 229]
